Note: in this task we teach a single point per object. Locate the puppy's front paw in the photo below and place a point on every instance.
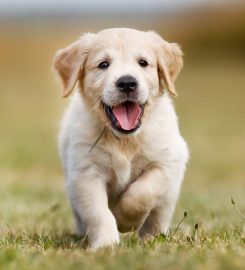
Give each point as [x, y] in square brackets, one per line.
[104, 234]
[130, 211]
[105, 240]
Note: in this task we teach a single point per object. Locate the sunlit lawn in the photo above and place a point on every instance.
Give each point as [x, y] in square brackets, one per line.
[35, 219]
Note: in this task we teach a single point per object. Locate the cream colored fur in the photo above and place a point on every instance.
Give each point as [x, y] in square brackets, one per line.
[127, 182]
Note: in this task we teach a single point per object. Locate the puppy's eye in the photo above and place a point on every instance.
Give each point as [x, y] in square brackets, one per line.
[104, 65]
[143, 63]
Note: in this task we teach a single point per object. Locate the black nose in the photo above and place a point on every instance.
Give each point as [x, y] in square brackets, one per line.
[126, 84]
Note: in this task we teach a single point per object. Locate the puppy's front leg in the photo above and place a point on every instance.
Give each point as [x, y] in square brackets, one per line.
[139, 199]
[157, 188]
[89, 200]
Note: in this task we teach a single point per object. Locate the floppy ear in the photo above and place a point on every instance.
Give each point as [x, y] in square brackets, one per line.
[169, 62]
[69, 62]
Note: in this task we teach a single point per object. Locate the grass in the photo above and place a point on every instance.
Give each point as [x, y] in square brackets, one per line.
[35, 219]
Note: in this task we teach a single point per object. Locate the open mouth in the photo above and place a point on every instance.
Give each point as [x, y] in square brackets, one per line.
[125, 117]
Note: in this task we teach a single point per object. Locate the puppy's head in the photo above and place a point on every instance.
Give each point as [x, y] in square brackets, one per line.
[119, 72]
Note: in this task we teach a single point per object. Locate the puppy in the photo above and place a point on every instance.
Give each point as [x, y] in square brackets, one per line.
[120, 145]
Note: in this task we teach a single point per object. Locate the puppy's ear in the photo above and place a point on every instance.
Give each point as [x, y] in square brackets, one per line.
[169, 62]
[69, 62]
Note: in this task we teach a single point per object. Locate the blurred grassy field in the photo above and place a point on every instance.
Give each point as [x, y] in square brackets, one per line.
[35, 219]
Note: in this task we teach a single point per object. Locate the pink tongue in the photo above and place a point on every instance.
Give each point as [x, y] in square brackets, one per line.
[127, 115]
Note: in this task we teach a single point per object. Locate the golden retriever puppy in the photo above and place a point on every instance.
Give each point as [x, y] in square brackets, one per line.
[120, 145]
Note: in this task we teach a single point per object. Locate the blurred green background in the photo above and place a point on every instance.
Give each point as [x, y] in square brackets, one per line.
[210, 105]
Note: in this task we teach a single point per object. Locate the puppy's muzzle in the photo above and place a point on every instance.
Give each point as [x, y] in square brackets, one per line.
[126, 115]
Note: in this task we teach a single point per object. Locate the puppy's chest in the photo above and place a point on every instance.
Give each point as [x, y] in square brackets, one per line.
[126, 169]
